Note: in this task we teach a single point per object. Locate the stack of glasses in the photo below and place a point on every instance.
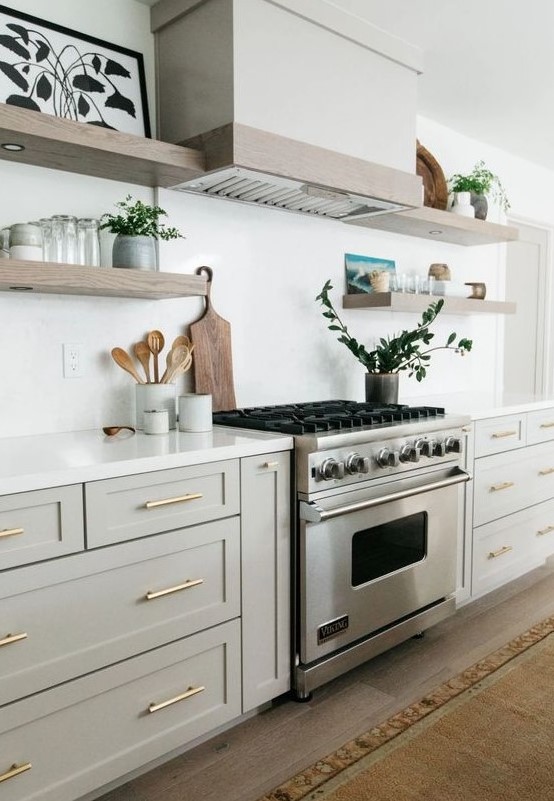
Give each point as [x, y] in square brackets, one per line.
[62, 238]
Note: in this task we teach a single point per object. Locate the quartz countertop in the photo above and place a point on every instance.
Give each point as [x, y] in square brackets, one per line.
[48, 460]
[481, 405]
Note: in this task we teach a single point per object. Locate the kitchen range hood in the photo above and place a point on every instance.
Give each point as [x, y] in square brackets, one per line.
[311, 112]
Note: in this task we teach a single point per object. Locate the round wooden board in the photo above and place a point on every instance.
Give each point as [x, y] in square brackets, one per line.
[434, 183]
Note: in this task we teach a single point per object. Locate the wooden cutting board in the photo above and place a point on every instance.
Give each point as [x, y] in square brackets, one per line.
[213, 359]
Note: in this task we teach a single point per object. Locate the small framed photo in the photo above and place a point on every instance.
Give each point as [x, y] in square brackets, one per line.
[48, 68]
[365, 274]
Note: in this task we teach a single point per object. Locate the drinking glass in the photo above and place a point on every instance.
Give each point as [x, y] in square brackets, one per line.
[46, 228]
[88, 242]
[64, 239]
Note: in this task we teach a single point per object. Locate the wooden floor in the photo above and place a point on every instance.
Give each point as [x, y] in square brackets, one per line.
[257, 755]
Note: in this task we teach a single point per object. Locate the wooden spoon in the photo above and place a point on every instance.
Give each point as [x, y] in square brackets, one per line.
[111, 431]
[122, 358]
[156, 342]
[184, 365]
[142, 352]
[181, 340]
[174, 358]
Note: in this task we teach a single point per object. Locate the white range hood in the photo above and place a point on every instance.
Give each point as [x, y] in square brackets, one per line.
[310, 110]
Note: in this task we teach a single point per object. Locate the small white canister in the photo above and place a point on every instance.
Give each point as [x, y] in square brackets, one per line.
[195, 412]
[155, 396]
[25, 242]
[156, 421]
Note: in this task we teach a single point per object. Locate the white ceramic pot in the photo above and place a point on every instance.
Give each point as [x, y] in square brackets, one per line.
[134, 252]
[462, 204]
[153, 397]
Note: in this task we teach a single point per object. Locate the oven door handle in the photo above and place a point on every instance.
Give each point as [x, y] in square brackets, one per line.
[312, 513]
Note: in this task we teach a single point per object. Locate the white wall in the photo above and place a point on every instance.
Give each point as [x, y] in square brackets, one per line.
[269, 266]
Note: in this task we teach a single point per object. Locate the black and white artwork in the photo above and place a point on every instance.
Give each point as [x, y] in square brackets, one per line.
[48, 68]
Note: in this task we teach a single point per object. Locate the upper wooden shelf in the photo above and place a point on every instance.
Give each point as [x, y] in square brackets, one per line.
[405, 302]
[71, 279]
[442, 226]
[90, 150]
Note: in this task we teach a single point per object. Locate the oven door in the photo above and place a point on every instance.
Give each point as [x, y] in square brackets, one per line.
[369, 558]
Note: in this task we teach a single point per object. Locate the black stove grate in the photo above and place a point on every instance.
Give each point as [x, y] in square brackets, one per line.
[315, 417]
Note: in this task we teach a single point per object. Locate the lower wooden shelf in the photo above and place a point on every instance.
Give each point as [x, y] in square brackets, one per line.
[72, 279]
[405, 302]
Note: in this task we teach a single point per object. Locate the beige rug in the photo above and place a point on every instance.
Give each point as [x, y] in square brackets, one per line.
[485, 735]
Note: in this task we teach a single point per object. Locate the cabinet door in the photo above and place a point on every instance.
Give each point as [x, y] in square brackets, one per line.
[266, 580]
[499, 434]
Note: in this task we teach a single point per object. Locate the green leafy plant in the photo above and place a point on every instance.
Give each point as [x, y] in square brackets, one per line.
[393, 354]
[481, 181]
[139, 219]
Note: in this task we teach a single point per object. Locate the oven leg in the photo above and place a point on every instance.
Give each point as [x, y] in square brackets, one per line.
[419, 636]
[302, 697]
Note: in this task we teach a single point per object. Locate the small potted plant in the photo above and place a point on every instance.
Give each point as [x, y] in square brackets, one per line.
[137, 227]
[479, 183]
[407, 351]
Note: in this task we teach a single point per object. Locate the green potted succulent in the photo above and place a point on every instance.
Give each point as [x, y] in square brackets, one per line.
[480, 183]
[137, 227]
[407, 351]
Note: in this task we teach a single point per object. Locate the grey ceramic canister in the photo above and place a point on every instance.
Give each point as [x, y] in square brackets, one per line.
[134, 252]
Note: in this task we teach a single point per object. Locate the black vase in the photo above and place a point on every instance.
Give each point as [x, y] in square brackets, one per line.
[481, 206]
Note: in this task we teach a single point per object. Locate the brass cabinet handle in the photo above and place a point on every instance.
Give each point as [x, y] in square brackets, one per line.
[182, 697]
[500, 551]
[177, 588]
[501, 434]
[546, 471]
[11, 532]
[502, 486]
[15, 770]
[192, 496]
[271, 465]
[9, 638]
[542, 531]
[547, 425]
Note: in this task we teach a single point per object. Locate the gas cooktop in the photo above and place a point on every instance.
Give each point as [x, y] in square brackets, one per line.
[331, 415]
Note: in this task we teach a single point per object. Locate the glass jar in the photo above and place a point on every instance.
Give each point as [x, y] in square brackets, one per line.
[88, 242]
[26, 242]
[64, 239]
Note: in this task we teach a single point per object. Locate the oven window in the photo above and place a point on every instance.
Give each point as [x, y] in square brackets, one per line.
[383, 549]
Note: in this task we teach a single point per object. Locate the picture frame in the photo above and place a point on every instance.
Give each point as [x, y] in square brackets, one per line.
[48, 68]
[358, 271]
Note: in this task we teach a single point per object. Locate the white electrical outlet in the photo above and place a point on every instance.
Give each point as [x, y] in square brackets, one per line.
[72, 360]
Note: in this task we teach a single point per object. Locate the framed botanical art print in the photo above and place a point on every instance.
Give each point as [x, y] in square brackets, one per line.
[48, 68]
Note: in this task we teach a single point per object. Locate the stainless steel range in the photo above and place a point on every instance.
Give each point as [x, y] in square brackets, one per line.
[375, 534]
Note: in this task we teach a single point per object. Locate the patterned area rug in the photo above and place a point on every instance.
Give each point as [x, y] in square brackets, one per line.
[484, 735]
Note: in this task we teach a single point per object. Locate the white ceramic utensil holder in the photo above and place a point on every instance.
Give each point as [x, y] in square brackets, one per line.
[195, 412]
[155, 396]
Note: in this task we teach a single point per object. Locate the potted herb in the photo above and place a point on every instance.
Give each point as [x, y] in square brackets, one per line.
[407, 351]
[137, 227]
[480, 182]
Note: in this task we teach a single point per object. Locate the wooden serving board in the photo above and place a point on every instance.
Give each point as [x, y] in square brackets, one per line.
[213, 359]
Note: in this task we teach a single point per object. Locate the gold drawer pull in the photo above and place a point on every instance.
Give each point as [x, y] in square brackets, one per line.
[15, 770]
[502, 486]
[178, 587]
[9, 638]
[271, 465]
[180, 499]
[542, 531]
[188, 694]
[547, 425]
[11, 532]
[500, 551]
[502, 434]
[547, 471]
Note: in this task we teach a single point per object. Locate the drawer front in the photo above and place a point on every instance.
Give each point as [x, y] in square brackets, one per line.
[541, 537]
[499, 434]
[171, 586]
[40, 525]
[507, 548]
[96, 729]
[135, 506]
[540, 426]
[504, 484]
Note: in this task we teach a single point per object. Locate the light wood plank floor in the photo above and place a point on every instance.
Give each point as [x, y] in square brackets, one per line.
[252, 758]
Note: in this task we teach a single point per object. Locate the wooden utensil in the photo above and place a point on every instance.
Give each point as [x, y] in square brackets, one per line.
[184, 365]
[111, 431]
[174, 357]
[122, 359]
[181, 340]
[142, 352]
[213, 359]
[156, 342]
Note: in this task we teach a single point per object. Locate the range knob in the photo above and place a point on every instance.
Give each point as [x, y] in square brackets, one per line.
[355, 463]
[409, 453]
[440, 448]
[453, 445]
[388, 458]
[425, 446]
[330, 469]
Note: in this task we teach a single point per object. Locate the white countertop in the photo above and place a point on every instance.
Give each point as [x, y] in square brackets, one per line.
[49, 460]
[479, 405]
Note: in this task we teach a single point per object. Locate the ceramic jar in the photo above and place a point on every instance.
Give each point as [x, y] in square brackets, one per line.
[134, 252]
[26, 242]
[462, 204]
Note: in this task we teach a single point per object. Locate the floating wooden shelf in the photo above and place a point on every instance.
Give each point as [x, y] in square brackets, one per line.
[404, 302]
[70, 279]
[90, 150]
[441, 226]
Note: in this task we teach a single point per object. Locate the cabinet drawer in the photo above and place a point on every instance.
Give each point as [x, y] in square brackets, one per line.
[135, 506]
[169, 587]
[540, 426]
[91, 731]
[499, 434]
[504, 484]
[40, 525]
